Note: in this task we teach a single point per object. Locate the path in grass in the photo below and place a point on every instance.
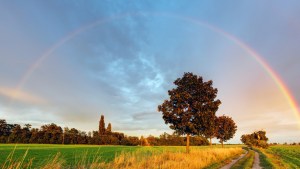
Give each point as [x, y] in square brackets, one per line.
[256, 161]
[228, 166]
[249, 160]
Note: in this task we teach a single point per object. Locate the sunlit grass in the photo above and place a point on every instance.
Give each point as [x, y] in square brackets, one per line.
[197, 158]
[280, 157]
[123, 157]
[246, 162]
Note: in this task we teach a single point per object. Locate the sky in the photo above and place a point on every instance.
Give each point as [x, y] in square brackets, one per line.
[68, 62]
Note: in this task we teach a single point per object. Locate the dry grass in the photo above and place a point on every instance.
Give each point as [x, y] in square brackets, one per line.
[200, 158]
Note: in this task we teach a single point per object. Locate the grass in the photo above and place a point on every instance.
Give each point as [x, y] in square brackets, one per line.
[246, 162]
[290, 155]
[280, 157]
[87, 156]
[197, 158]
[38, 154]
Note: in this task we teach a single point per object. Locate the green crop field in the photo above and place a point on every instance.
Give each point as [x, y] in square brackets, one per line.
[70, 153]
[289, 155]
[280, 156]
[37, 155]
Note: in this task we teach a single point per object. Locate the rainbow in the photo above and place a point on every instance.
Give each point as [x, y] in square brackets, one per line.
[257, 57]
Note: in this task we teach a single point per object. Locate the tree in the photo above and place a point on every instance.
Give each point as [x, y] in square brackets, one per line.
[258, 139]
[108, 130]
[207, 127]
[225, 129]
[190, 107]
[101, 126]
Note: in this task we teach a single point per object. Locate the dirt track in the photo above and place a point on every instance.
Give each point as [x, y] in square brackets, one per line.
[228, 166]
[256, 162]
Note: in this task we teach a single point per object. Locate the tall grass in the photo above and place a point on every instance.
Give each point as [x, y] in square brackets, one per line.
[198, 158]
[143, 158]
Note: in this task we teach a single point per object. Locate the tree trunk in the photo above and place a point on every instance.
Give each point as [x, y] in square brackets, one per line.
[188, 143]
[222, 144]
[63, 141]
[210, 141]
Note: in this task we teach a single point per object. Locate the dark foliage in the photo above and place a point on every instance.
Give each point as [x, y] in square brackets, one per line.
[54, 134]
[258, 139]
[226, 128]
[191, 107]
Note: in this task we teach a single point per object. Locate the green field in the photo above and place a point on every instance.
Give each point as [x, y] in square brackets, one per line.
[37, 155]
[289, 155]
[71, 155]
[280, 156]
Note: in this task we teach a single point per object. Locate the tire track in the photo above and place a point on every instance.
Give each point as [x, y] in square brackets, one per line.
[228, 166]
[256, 161]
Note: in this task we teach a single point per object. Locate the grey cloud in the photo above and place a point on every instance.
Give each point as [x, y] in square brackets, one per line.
[146, 116]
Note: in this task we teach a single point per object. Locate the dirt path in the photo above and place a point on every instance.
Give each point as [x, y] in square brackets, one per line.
[228, 166]
[256, 161]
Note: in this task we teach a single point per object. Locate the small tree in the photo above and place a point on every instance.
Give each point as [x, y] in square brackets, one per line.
[207, 125]
[101, 126]
[225, 128]
[108, 130]
[188, 106]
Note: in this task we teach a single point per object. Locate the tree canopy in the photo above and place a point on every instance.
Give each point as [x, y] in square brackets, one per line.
[226, 128]
[258, 139]
[191, 106]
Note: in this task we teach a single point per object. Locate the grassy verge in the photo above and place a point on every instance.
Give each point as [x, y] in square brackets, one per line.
[288, 156]
[220, 164]
[270, 159]
[246, 162]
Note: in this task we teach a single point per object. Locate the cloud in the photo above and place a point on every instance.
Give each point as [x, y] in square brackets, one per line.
[145, 116]
[20, 95]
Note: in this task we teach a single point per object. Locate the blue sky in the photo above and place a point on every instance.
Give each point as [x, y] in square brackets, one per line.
[119, 58]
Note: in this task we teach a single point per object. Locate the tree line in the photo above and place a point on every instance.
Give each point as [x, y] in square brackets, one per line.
[55, 134]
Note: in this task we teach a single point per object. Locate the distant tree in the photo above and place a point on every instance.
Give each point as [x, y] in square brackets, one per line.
[26, 133]
[130, 141]
[34, 135]
[153, 141]
[4, 131]
[16, 134]
[199, 141]
[191, 107]
[101, 126]
[52, 134]
[225, 129]
[144, 141]
[108, 130]
[258, 139]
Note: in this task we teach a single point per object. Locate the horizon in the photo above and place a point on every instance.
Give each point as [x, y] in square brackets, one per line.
[68, 63]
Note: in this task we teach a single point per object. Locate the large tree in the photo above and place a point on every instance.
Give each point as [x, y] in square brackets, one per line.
[191, 106]
[225, 128]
